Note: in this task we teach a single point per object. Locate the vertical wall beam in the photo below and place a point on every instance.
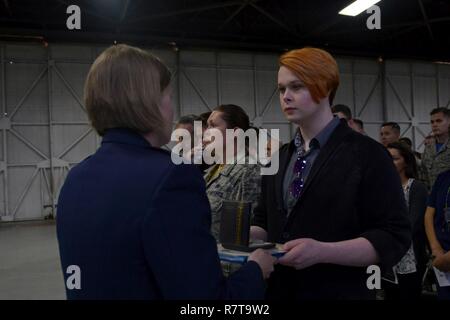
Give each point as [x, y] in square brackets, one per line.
[255, 87]
[219, 96]
[438, 83]
[353, 88]
[413, 113]
[180, 92]
[383, 90]
[4, 133]
[52, 190]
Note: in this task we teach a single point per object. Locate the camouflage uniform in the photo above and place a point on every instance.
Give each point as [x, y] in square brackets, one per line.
[422, 174]
[434, 162]
[234, 182]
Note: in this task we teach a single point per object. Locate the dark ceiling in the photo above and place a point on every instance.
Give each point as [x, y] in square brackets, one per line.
[409, 28]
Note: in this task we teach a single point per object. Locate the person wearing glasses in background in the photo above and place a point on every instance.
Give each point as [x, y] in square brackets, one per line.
[336, 202]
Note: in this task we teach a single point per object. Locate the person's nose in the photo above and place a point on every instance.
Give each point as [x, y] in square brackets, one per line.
[287, 96]
[207, 137]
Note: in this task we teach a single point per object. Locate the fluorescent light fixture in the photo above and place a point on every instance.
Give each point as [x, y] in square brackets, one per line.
[442, 62]
[357, 7]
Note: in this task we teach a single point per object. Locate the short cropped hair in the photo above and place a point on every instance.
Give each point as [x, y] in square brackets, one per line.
[445, 111]
[359, 122]
[393, 125]
[343, 109]
[316, 68]
[124, 89]
[406, 141]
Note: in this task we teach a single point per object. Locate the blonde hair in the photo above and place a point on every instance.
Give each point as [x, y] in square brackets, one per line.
[316, 68]
[124, 89]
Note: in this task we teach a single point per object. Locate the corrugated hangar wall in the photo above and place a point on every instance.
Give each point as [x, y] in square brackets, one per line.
[44, 128]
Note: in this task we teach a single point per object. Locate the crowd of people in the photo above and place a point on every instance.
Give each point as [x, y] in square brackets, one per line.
[141, 227]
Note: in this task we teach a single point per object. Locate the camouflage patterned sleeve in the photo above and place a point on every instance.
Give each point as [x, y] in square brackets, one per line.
[252, 184]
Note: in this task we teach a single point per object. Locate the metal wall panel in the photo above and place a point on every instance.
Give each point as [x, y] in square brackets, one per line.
[444, 85]
[237, 88]
[44, 129]
[413, 89]
[43, 107]
[198, 89]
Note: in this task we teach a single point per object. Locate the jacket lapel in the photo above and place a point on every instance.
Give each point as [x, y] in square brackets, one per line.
[326, 152]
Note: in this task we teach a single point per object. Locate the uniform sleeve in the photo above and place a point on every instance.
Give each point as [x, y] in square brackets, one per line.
[180, 250]
[426, 162]
[260, 212]
[252, 185]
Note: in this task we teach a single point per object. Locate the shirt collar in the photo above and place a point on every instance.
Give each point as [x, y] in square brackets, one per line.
[321, 138]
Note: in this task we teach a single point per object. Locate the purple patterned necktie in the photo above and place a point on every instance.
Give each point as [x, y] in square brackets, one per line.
[297, 184]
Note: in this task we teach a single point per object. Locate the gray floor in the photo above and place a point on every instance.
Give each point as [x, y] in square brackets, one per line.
[29, 262]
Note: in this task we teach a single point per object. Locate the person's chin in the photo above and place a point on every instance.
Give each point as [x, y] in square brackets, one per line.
[294, 118]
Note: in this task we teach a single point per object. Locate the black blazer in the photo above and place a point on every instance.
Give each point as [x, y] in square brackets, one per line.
[353, 190]
[417, 205]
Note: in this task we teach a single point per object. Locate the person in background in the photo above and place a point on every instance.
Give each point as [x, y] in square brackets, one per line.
[359, 126]
[408, 142]
[437, 227]
[389, 133]
[436, 156]
[230, 181]
[336, 202]
[412, 266]
[343, 112]
[204, 118]
[421, 171]
[187, 122]
[429, 139]
[128, 217]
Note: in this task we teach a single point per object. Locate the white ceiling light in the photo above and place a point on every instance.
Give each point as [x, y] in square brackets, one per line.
[357, 7]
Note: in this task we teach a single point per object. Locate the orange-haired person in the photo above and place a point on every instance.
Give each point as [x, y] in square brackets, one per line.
[336, 202]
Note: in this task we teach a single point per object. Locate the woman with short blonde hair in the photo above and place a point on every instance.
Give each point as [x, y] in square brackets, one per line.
[124, 88]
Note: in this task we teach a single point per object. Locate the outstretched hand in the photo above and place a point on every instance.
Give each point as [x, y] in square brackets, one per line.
[302, 253]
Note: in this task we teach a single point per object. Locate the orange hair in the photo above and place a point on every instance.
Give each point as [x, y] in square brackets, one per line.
[316, 68]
